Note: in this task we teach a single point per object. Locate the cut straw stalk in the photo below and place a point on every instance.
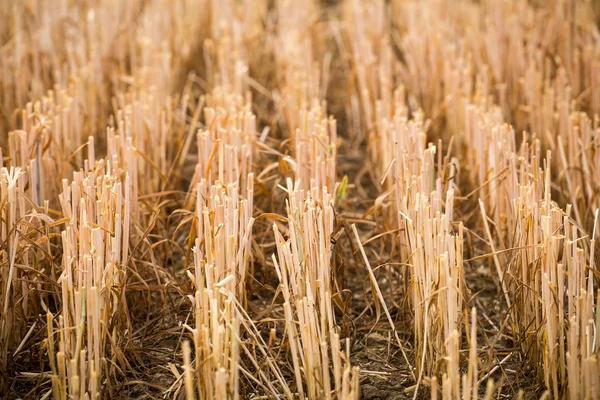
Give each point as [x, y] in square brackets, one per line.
[539, 230]
[304, 271]
[100, 205]
[316, 149]
[221, 258]
[12, 212]
[426, 242]
[515, 190]
[94, 251]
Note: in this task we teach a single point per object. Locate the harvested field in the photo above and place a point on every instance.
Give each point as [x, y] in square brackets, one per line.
[342, 199]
